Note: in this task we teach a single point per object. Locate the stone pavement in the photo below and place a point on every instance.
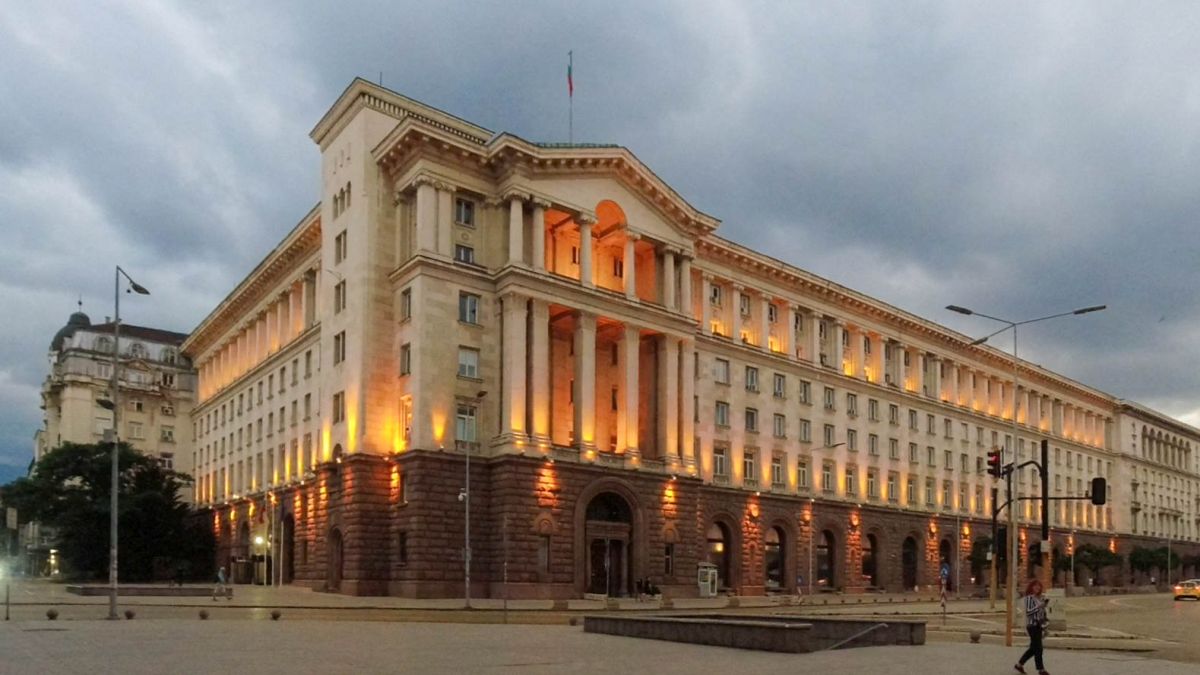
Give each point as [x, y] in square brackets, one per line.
[264, 646]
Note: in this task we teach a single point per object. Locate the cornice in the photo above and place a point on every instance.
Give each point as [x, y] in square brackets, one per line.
[303, 241]
[363, 94]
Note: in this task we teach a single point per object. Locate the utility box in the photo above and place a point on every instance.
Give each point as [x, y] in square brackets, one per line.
[707, 580]
[1056, 609]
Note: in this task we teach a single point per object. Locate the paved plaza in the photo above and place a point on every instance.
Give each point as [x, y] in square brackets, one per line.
[170, 646]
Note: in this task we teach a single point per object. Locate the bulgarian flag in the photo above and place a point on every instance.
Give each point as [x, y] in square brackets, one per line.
[570, 81]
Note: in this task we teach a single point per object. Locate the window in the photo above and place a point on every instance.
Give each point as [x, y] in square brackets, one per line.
[892, 494]
[722, 414]
[947, 497]
[827, 476]
[339, 407]
[464, 212]
[930, 456]
[805, 431]
[295, 372]
[777, 471]
[137, 350]
[406, 304]
[873, 445]
[339, 247]
[618, 268]
[669, 559]
[307, 406]
[963, 504]
[802, 473]
[468, 362]
[893, 448]
[780, 426]
[135, 430]
[339, 297]
[930, 492]
[339, 348]
[464, 254]
[805, 391]
[852, 440]
[852, 405]
[464, 426]
[893, 414]
[136, 406]
[744, 304]
[168, 411]
[931, 424]
[167, 380]
[949, 463]
[751, 378]
[282, 378]
[720, 461]
[772, 314]
[872, 484]
[574, 255]
[714, 295]
[851, 482]
[271, 386]
[873, 410]
[167, 434]
[948, 425]
[405, 359]
[402, 548]
[828, 435]
[468, 308]
[166, 460]
[964, 467]
[751, 420]
[721, 371]
[749, 467]
[829, 398]
[910, 491]
[912, 420]
[779, 386]
[978, 499]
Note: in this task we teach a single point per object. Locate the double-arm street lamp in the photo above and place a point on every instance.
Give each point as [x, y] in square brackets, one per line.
[1012, 532]
[114, 404]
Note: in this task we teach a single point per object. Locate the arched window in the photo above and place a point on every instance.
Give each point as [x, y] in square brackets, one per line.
[869, 565]
[137, 350]
[826, 551]
[719, 552]
[773, 554]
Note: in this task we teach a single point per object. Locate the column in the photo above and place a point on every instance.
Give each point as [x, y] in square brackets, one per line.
[856, 354]
[791, 348]
[516, 229]
[426, 215]
[512, 369]
[686, 302]
[445, 219]
[285, 317]
[585, 381]
[764, 324]
[537, 230]
[900, 371]
[934, 379]
[585, 252]
[687, 403]
[668, 397]
[627, 422]
[630, 263]
[668, 278]
[735, 306]
[539, 369]
[310, 299]
[878, 346]
[917, 369]
[813, 337]
[951, 384]
[839, 350]
[706, 282]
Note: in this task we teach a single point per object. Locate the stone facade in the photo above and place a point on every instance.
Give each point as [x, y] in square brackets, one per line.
[637, 394]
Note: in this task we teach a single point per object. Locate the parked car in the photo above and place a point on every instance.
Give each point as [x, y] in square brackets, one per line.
[1187, 589]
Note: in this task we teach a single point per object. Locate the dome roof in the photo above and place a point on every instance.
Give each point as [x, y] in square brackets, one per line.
[78, 320]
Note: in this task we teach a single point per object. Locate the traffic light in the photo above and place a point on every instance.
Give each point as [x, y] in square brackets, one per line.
[1001, 549]
[993, 461]
[1099, 491]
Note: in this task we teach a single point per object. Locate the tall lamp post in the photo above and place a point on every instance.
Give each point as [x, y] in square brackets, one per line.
[464, 496]
[114, 402]
[812, 519]
[1012, 517]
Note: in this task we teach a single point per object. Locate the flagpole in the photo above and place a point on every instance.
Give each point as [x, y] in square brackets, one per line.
[570, 98]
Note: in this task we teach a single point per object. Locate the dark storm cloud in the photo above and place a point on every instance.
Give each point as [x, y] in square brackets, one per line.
[1018, 158]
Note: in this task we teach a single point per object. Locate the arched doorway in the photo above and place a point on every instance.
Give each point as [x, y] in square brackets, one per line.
[288, 548]
[720, 545]
[775, 559]
[334, 575]
[908, 563]
[826, 560]
[870, 567]
[609, 533]
[946, 563]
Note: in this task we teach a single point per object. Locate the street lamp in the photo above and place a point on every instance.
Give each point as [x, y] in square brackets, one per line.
[812, 508]
[114, 401]
[464, 496]
[1012, 517]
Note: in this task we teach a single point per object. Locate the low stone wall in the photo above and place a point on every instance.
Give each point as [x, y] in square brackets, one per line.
[160, 591]
[828, 631]
[772, 636]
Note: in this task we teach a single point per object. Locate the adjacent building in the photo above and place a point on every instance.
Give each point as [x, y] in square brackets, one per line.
[638, 395]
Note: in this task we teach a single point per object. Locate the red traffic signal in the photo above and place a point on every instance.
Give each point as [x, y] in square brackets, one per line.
[993, 461]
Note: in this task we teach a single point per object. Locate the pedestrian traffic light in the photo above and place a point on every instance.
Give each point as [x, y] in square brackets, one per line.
[993, 461]
[1001, 549]
[1099, 491]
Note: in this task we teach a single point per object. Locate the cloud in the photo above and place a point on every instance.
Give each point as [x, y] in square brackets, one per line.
[1023, 158]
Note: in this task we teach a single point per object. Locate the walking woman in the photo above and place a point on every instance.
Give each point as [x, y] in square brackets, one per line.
[1035, 623]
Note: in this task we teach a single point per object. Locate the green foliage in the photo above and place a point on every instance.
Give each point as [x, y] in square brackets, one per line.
[1095, 558]
[69, 490]
[1147, 559]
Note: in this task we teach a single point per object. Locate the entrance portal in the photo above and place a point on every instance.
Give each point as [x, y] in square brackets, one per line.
[826, 563]
[719, 545]
[908, 563]
[609, 533]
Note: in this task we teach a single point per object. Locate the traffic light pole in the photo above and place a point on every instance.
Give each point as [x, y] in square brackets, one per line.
[1044, 471]
[995, 551]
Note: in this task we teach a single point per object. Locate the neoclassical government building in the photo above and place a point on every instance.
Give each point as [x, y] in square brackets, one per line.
[637, 395]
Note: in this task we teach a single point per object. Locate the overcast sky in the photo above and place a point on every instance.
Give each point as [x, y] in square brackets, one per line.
[1017, 158]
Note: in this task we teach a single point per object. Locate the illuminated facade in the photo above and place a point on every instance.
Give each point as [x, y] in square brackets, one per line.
[638, 394]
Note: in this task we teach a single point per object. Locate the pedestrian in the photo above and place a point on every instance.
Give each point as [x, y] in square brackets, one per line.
[799, 584]
[220, 587]
[1035, 624]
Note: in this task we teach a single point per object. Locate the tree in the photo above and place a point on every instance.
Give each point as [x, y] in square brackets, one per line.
[1095, 558]
[1142, 559]
[69, 490]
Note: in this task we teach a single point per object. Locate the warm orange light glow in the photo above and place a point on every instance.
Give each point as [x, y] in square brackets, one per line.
[932, 527]
[1112, 545]
[966, 530]
[848, 367]
[547, 488]
[438, 418]
[326, 442]
[232, 514]
[854, 520]
[251, 514]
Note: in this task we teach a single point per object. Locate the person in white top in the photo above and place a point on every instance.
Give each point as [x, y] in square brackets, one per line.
[1035, 624]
